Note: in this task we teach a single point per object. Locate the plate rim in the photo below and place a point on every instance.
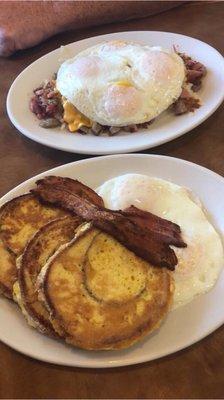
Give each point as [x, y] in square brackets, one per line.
[123, 155]
[135, 147]
[100, 364]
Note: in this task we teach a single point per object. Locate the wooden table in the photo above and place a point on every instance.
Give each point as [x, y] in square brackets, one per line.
[197, 372]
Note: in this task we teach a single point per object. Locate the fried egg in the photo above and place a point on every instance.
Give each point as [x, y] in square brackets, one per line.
[200, 263]
[121, 83]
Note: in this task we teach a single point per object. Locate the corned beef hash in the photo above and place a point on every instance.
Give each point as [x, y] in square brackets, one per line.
[116, 86]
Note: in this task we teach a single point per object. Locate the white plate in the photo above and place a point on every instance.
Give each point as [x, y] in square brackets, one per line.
[165, 128]
[183, 326]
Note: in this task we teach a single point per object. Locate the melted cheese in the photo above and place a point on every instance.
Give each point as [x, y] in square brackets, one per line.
[73, 117]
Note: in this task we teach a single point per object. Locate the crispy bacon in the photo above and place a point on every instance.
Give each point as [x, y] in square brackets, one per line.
[74, 186]
[166, 230]
[144, 242]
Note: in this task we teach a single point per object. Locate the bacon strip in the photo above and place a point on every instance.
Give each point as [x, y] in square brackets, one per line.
[163, 229]
[144, 242]
[76, 187]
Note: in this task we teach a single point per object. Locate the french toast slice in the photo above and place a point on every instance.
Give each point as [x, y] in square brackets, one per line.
[102, 294]
[20, 218]
[37, 252]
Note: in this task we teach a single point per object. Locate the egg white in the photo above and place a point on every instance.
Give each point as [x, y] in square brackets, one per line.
[121, 83]
[200, 263]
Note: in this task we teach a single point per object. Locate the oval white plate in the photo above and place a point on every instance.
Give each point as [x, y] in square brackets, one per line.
[165, 128]
[183, 326]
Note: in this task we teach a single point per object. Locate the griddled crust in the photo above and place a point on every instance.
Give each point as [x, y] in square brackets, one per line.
[39, 249]
[75, 281]
[102, 294]
[8, 271]
[20, 218]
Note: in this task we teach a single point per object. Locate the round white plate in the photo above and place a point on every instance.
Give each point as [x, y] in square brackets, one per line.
[165, 128]
[183, 326]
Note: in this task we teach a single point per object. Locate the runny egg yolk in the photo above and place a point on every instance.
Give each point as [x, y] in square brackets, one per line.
[123, 83]
[73, 117]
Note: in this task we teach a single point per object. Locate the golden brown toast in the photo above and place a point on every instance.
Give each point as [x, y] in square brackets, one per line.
[37, 252]
[20, 218]
[102, 294]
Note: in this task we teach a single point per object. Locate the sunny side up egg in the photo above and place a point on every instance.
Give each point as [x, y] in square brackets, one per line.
[120, 83]
[200, 263]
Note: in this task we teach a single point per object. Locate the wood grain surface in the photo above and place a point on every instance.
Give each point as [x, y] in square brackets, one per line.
[197, 372]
